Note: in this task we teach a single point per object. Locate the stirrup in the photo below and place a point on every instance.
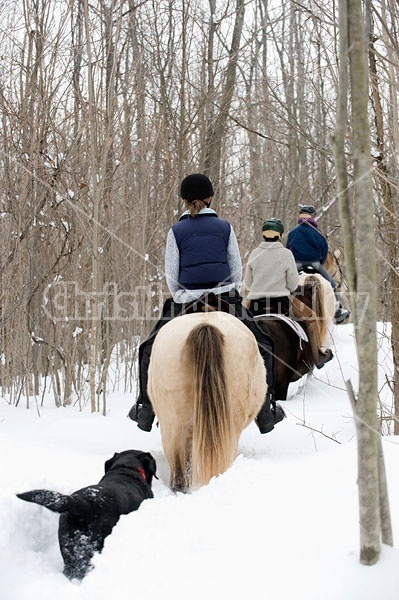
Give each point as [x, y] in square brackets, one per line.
[341, 315]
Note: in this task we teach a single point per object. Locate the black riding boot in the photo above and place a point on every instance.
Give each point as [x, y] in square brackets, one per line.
[270, 414]
[142, 411]
[341, 315]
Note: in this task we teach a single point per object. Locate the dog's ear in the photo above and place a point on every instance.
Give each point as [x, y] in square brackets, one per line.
[149, 466]
[108, 463]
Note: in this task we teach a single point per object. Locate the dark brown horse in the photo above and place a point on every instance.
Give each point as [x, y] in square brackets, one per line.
[293, 356]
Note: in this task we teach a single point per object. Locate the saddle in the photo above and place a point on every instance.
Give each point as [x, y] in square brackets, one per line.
[209, 303]
[293, 324]
[308, 269]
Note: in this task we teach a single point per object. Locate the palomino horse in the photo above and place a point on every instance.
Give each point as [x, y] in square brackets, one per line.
[293, 356]
[333, 265]
[206, 382]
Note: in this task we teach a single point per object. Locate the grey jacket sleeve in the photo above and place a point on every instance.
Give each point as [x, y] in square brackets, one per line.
[234, 259]
[248, 278]
[292, 273]
[172, 262]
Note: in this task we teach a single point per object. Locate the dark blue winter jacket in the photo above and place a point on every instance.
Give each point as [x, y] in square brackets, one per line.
[202, 241]
[307, 243]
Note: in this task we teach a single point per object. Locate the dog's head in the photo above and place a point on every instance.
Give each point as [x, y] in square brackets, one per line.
[133, 459]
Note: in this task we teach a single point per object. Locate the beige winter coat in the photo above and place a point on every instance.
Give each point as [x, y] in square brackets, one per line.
[270, 272]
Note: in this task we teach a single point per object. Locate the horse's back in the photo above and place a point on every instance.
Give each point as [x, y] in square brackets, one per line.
[293, 357]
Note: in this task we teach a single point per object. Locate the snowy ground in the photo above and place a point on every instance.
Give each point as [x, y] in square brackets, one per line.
[282, 523]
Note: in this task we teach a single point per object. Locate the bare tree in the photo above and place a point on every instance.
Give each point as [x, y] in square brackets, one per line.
[104, 108]
[359, 226]
[219, 112]
[386, 171]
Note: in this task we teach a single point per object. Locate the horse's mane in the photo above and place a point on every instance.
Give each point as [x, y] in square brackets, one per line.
[213, 435]
[334, 265]
[319, 297]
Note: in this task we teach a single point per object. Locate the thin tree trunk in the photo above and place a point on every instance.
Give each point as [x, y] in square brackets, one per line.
[385, 513]
[95, 192]
[340, 157]
[362, 277]
[366, 337]
[217, 124]
[390, 202]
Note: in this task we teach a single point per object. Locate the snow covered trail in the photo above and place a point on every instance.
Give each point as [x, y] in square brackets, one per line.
[281, 523]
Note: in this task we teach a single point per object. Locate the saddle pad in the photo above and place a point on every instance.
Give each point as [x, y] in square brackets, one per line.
[293, 324]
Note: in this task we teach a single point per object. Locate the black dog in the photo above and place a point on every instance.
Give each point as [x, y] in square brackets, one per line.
[88, 515]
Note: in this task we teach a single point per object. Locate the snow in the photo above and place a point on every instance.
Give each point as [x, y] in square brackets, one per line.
[281, 523]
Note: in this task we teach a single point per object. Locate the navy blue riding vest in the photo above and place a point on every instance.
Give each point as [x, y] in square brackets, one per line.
[202, 241]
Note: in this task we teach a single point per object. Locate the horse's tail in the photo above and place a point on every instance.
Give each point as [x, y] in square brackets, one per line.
[323, 304]
[213, 446]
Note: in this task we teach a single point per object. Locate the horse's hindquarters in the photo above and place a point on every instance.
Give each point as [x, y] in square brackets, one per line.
[313, 305]
[188, 416]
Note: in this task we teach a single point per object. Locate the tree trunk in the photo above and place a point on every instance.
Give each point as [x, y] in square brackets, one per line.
[361, 269]
[91, 124]
[366, 284]
[389, 199]
[217, 122]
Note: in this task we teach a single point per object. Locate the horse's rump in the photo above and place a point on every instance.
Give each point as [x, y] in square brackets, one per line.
[206, 382]
[294, 357]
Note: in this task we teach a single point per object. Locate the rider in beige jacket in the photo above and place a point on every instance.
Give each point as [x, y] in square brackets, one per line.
[271, 274]
[270, 278]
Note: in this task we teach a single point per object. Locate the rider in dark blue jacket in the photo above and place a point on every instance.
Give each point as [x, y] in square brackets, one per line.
[310, 248]
[202, 256]
[305, 241]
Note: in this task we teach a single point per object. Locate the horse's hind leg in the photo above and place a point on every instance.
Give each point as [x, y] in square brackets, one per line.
[179, 462]
[177, 481]
[179, 478]
[283, 380]
[304, 382]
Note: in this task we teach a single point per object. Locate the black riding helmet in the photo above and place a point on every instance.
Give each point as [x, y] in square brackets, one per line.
[196, 187]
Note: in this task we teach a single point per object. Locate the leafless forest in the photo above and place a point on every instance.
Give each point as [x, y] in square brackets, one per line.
[105, 106]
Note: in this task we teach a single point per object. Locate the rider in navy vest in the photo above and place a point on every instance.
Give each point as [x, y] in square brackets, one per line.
[310, 248]
[202, 256]
[202, 244]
